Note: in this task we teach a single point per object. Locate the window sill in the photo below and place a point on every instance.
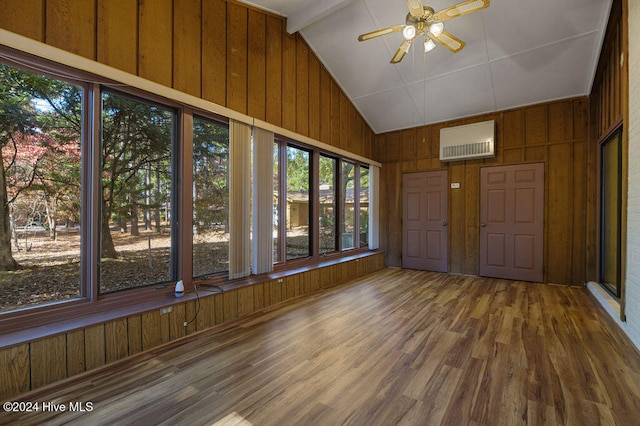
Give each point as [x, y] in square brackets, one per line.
[125, 304]
[608, 302]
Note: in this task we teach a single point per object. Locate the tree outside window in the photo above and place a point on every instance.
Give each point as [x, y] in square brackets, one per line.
[40, 211]
[364, 206]
[137, 190]
[298, 202]
[347, 204]
[327, 204]
[210, 197]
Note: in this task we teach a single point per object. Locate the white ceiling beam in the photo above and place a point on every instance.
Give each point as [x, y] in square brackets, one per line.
[312, 11]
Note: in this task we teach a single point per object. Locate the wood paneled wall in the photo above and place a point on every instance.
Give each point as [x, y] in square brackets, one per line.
[555, 134]
[608, 94]
[219, 50]
[609, 101]
[32, 365]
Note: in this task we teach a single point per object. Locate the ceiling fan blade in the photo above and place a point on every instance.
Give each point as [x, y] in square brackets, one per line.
[402, 50]
[381, 32]
[416, 9]
[449, 41]
[460, 9]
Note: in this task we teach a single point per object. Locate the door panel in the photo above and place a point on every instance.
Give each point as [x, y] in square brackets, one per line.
[413, 205]
[425, 235]
[512, 222]
[413, 244]
[495, 250]
[434, 243]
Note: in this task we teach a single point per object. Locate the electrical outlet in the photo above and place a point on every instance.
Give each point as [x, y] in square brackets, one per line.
[280, 280]
[167, 310]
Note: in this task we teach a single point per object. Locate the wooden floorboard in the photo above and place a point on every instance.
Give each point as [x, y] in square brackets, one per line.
[395, 347]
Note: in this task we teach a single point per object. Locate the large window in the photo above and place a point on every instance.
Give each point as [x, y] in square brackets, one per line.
[137, 190]
[40, 208]
[210, 197]
[364, 206]
[96, 196]
[298, 200]
[276, 203]
[325, 207]
[347, 204]
[610, 213]
[327, 204]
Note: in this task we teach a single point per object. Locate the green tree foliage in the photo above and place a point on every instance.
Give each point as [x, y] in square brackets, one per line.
[40, 126]
[136, 139]
[298, 163]
[210, 175]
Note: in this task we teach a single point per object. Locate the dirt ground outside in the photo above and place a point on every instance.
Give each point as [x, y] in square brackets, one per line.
[50, 270]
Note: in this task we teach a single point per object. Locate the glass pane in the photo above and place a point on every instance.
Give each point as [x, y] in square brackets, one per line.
[276, 197]
[297, 203]
[610, 215]
[327, 196]
[347, 205]
[40, 128]
[364, 207]
[136, 194]
[210, 197]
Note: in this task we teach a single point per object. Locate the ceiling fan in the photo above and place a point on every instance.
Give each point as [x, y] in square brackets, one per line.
[424, 21]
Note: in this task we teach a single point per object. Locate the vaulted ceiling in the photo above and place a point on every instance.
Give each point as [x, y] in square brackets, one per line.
[518, 52]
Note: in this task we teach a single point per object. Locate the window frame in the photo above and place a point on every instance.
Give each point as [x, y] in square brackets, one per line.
[211, 118]
[91, 302]
[336, 174]
[43, 68]
[175, 161]
[359, 213]
[315, 254]
[614, 136]
[92, 308]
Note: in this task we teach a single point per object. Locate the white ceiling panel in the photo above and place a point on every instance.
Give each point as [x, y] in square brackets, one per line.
[386, 13]
[360, 69]
[339, 27]
[542, 74]
[454, 95]
[389, 110]
[517, 52]
[514, 26]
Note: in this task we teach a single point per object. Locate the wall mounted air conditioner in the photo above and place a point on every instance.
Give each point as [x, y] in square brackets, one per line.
[470, 141]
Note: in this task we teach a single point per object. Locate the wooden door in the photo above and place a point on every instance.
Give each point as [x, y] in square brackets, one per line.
[425, 231]
[512, 222]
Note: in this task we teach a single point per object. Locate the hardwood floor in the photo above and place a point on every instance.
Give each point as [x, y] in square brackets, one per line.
[395, 347]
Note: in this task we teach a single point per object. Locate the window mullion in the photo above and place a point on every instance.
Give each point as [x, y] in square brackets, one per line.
[185, 202]
[282, 202]
[339, 212]
[314, 199]
[356, 207]
[92, 194]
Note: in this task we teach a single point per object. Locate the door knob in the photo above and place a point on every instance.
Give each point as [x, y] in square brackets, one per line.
[445, 223]
[482, 225]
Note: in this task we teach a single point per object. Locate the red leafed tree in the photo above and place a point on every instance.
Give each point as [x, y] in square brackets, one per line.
[40, 124]
[46, 172]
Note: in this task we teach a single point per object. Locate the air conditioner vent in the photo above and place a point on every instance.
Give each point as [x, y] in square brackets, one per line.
[470, 141]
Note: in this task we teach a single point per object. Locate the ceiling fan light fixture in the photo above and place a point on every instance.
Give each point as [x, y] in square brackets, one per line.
[409, 32]
[436, 28]
[429, 45]
[423, 21]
